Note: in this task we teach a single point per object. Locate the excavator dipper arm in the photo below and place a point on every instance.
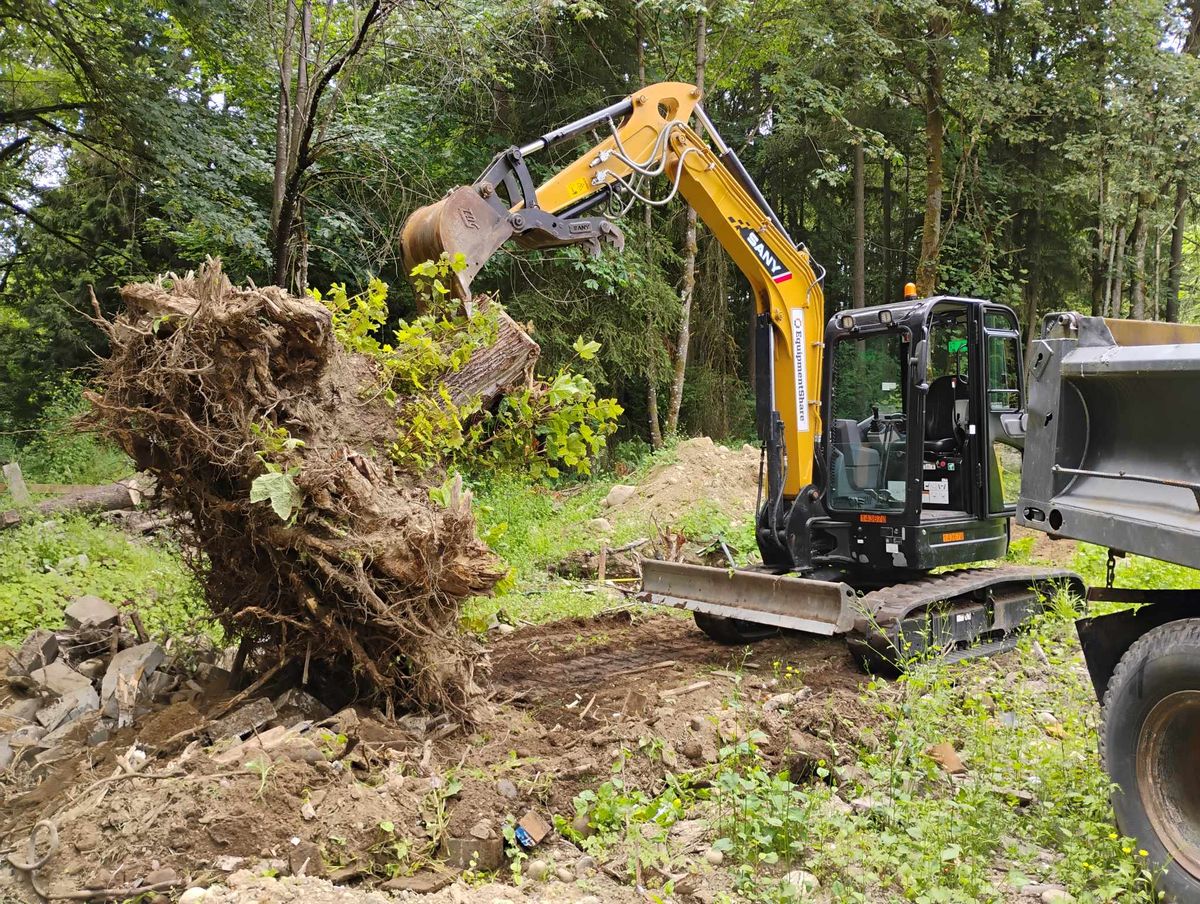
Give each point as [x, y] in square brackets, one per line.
[651, 140]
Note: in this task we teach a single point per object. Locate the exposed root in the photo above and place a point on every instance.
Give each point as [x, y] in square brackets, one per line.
[370, 573]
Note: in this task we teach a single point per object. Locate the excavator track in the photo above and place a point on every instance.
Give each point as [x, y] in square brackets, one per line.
[956, 615]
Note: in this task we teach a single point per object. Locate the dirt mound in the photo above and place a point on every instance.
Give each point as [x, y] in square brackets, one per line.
[704, 474]
[351, 569]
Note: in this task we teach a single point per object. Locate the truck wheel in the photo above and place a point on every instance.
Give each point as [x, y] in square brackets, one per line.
[1150, 745]
[732, 631]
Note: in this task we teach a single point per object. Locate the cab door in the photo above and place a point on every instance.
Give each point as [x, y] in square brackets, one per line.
[1004, 400]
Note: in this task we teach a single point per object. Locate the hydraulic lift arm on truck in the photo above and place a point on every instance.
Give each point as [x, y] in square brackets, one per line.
[880, 466]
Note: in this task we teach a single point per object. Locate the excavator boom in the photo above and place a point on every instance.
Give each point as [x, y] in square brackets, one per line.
[650, 139]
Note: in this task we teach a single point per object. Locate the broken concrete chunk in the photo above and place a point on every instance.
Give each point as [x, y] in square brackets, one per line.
[91, 612]
[486, 855]
[296, 705]
[20, 711]
[38, 650]
[70, 706]
[125, 681]
[241, 722]
[59, 678]
[26, 736]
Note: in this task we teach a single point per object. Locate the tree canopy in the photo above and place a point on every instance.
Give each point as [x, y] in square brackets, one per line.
[1037, 152]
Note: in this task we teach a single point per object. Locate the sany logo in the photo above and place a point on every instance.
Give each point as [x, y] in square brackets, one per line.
[779, 273]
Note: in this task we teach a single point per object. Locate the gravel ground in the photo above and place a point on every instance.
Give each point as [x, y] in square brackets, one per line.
[245, 888]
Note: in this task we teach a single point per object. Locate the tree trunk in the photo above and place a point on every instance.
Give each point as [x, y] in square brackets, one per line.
[688, 289]
[931, 232]
[92, 499]
[1118, 279]
[1141, 232]
[860, 228]
[283, 116]
[1178, 226]
[656, 438]
[886, 202]
[1099, 288]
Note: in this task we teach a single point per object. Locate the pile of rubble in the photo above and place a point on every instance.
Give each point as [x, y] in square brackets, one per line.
[82, 682]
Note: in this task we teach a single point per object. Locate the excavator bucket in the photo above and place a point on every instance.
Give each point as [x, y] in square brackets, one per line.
[461, 223]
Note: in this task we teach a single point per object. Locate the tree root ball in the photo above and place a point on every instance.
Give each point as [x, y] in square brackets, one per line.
[368, 575]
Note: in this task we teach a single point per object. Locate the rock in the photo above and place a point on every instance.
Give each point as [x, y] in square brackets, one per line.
[485, 855]
[6, 753]
[423, 883]
[582, 825]
[38, 650]
[537, 870]
[69, 707]
[88, 837]
[124, 683]
[59, 678]
[947, 757]
[160, 876]
[305, 860]
[807, 754]
[308, 812]
[785, 700]
[803, 882]
[868, 804]
[696, 723]
[599, 526]
[1057, 896]
[482, 830]
[296, 705]
[241, 722]
[1047, 718]
[585, 866]
[193, 895]
[91, 669]
[26, 736]
[692, 750]
[714, 857]
[505, 628]
[22, 710]
[228, 863]
[505, 788]
[620, 493]
[101, 732]
[562, 874]
[91, 612]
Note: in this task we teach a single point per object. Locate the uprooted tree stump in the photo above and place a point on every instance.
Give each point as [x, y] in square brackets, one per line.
[369, 573]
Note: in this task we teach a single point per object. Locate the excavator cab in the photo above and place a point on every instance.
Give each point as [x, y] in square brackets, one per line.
[923, 403]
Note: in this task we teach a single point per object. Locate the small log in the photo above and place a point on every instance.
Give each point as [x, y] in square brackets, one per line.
[92, 499]
[499, 368]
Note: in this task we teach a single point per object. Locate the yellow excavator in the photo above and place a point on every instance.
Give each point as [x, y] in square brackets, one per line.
[885, 432]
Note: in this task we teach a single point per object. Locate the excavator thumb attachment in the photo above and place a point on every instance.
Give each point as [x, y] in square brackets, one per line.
[461, 223]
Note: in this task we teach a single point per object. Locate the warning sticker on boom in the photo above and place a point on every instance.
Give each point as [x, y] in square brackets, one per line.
[798, 362]
[779, 273]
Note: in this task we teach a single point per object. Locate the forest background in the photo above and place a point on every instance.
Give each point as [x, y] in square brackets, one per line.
[1041, 154]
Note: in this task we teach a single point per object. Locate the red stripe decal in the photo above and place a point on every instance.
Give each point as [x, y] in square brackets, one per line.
[784, 278]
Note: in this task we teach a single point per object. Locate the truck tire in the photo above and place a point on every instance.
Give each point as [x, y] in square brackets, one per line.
[732, 631]
[1150, 746]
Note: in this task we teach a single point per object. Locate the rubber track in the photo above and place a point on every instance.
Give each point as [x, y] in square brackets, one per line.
[889, 605]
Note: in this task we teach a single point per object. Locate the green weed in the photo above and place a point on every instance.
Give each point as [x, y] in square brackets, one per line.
[44, 565]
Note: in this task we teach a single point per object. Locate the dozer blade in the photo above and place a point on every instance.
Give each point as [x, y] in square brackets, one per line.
[461, 223]
[781, 601]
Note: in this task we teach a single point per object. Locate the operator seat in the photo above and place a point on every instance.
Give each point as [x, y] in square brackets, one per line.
[942, 433]
[861, 461]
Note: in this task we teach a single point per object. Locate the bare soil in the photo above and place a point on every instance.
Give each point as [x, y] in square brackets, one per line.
[567, 699]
